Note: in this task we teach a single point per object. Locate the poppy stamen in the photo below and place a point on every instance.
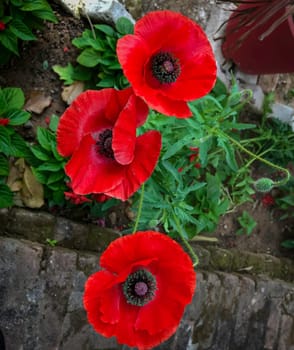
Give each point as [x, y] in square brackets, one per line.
[139, 288]
[165, 67]
[105, 144]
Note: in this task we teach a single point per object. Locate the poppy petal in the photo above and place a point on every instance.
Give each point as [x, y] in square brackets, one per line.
[132, 54]
[100, 282]
[168, 106]
[124, 133]
[147, 152]
[91, 111]
[91, 172]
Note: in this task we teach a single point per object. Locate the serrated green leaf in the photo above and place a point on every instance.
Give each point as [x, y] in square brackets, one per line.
[106, 29]
[6, 196]
[44, 138]
[11, 99]
[54, 120]
[9, 41]
[85, 41]
[40, 153]
[4, 165]
[17, 117]
[5, 144]
[39, 175]
[50, 166]
[45, 15]
[18, 146]
[55, 177]
[34, 5]
[65, 73]
[89, 58]
[19, 29]
[124, 26]
[106, 82]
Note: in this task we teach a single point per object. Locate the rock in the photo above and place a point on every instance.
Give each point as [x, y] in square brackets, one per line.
[99, 11]
[284, 113]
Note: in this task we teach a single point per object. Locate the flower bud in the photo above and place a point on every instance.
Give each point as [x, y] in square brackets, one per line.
[264, 184]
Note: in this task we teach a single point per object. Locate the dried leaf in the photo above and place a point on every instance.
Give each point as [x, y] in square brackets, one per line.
[32, 191]
[28, 191]
[37, 102]
[15, 176]
[70, 92]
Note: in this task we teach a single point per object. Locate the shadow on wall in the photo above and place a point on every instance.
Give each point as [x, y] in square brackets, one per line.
[2, 342]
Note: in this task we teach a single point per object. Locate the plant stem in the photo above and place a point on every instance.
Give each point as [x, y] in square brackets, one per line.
[139, 209]
[186, 243]
[267, 162]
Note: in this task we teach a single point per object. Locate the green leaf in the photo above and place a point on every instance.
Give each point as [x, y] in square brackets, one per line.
[6, 196]
[11, 99]
[106, 29]
[57, 156]
[5, 144]
[45, 15]
[34, 5]
[213, 188]
[4, 165]
[19, 29]
[124, 26]
[39, 175]
[54, 120]
[219, 88]
[9, 40]
[173, 149]
[65, 73]
[230, 153]
[54, 177]
[85, 41]
[18, 146]
[106, 82]
[50, 166]
[18, 117]
[44, 138]
[288, 244]
[39, 153]
[88, 58]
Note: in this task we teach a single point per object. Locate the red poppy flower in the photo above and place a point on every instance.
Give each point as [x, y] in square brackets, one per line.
[168, 61]
[2, 26]
[4, 121]
[98, 131]
[141, 292]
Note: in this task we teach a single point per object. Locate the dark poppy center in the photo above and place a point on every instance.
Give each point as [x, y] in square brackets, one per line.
[105, 143]
[165, 67]
[139, 288]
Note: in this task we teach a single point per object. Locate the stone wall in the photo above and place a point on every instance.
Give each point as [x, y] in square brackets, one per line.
[41, 290]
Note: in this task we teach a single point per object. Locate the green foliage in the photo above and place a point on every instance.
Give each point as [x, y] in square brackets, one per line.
[51, 242]
[48, 164]
[20, 18]
[200, 175]
[247, 223]
[289, 243]
[97, 63]
[11, 143]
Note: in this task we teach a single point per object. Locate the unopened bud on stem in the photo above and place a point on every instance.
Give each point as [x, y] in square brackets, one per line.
[264, 184]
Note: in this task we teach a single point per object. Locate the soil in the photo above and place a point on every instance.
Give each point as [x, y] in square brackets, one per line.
[33, 72]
